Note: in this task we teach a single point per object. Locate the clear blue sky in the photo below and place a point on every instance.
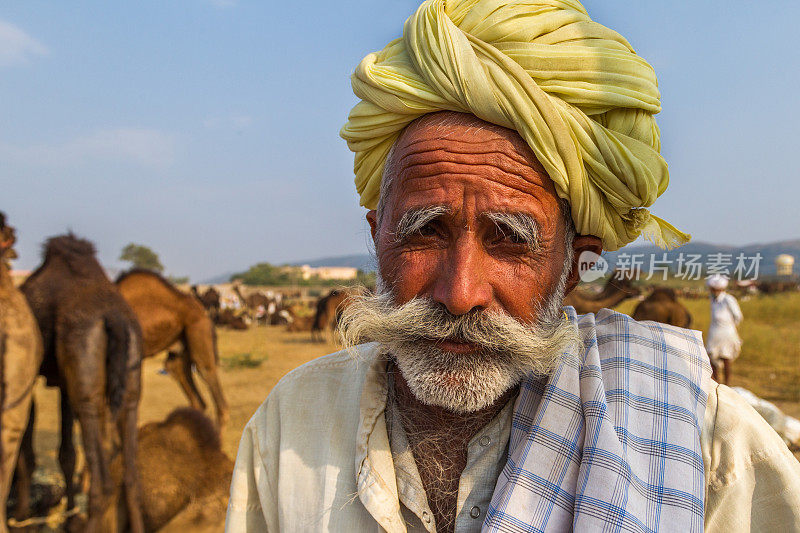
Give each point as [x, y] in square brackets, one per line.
[208, 129]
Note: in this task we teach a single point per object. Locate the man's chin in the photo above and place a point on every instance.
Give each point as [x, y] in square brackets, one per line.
[462, 384]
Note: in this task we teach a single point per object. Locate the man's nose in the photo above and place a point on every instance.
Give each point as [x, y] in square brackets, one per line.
[462, 283]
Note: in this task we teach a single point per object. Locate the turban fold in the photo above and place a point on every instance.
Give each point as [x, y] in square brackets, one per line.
[573, 89]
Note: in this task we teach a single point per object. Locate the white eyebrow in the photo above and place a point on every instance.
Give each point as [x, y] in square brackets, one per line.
[521, 225]
[415, 219]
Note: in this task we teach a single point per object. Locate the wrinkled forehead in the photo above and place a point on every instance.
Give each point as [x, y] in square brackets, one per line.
[460, 150]
[466, 129]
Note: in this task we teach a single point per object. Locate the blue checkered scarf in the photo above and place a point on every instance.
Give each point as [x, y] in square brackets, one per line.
[610, 441]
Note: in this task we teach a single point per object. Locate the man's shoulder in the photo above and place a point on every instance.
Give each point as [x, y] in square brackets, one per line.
[330, 367]
[752, 480]
[613, 329]
[738, 440]
[609, 321]
[318, 387]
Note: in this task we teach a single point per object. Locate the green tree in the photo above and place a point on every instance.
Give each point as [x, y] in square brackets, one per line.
[141, 256]
[267, 274]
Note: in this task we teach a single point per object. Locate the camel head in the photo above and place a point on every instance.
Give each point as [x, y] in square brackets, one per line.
[8, 237]
[623, 282]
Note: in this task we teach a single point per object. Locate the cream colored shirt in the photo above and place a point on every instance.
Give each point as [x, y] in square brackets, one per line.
[316, 456]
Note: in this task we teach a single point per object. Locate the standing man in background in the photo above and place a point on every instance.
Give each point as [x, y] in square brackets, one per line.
[723, 344]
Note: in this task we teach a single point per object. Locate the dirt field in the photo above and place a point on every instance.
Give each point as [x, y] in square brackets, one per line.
[254, 360]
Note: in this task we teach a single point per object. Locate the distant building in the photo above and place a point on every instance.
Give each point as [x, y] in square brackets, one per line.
[784, 264]
[325, 272]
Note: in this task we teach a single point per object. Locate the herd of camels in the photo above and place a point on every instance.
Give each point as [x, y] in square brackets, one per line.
[88, 336]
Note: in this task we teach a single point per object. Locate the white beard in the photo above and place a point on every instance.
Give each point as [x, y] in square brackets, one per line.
[461, 383]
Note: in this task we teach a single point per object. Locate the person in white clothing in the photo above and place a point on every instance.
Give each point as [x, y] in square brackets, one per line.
[723, 344]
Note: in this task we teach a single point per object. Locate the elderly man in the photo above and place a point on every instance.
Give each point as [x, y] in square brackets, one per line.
[496, 142]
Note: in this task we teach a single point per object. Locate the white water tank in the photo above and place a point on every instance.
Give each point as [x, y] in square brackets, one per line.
[784, 264]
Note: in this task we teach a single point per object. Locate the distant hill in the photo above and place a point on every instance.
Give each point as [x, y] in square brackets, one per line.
[768, 252]
[217, 280]
[363, 262]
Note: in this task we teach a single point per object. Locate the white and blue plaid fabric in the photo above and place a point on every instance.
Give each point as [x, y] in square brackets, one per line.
[611, 441]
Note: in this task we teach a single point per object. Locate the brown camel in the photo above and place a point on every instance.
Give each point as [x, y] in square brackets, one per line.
[169, 316]
[227, 317]
[617, 289]
[184, 474]
[298, 317]
[20, 358]
[329, 310]
[93, 353]
[252, 302]
[209, 299]
[662, 305]
[299, 323]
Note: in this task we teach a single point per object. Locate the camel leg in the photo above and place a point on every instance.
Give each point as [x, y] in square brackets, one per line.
[26, 464]
[101, 485]
[66, 451]
[202, 353]
[179, 367]
[128, 434]
[210, 376]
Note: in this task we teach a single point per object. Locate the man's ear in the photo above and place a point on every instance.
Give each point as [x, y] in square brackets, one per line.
[372, 218]
[581, 244]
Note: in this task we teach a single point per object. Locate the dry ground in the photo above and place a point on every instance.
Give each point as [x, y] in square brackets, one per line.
[253, 361]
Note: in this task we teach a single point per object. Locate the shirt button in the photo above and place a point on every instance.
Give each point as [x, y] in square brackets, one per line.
[426, 517]
[485, 441]
[475, 512]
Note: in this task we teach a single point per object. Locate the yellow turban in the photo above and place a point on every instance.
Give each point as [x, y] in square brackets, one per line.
[572, 88]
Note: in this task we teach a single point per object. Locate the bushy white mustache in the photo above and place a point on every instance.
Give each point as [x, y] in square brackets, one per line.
[375, 318]
[508, 349]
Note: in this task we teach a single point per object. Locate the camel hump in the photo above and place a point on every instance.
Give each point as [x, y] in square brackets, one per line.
[68, 245]
[187, 423]
[663, 294]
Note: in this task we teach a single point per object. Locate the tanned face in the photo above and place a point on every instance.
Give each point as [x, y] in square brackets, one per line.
[471, 171]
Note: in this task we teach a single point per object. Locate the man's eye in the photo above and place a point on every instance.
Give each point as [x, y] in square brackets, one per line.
[428, 230]
[504, 233]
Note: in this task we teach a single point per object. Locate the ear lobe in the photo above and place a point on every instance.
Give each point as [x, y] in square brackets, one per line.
[581, 243]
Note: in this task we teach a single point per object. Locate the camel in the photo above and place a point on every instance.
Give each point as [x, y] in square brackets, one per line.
[93, 353]
[184, 474]
[662, 305]
[209, 299]
[300, 323]
[265, 308]
[169, 316]
[228, 317]
[251, 304]
[20, 358]
[329, 310]
[616, 289]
